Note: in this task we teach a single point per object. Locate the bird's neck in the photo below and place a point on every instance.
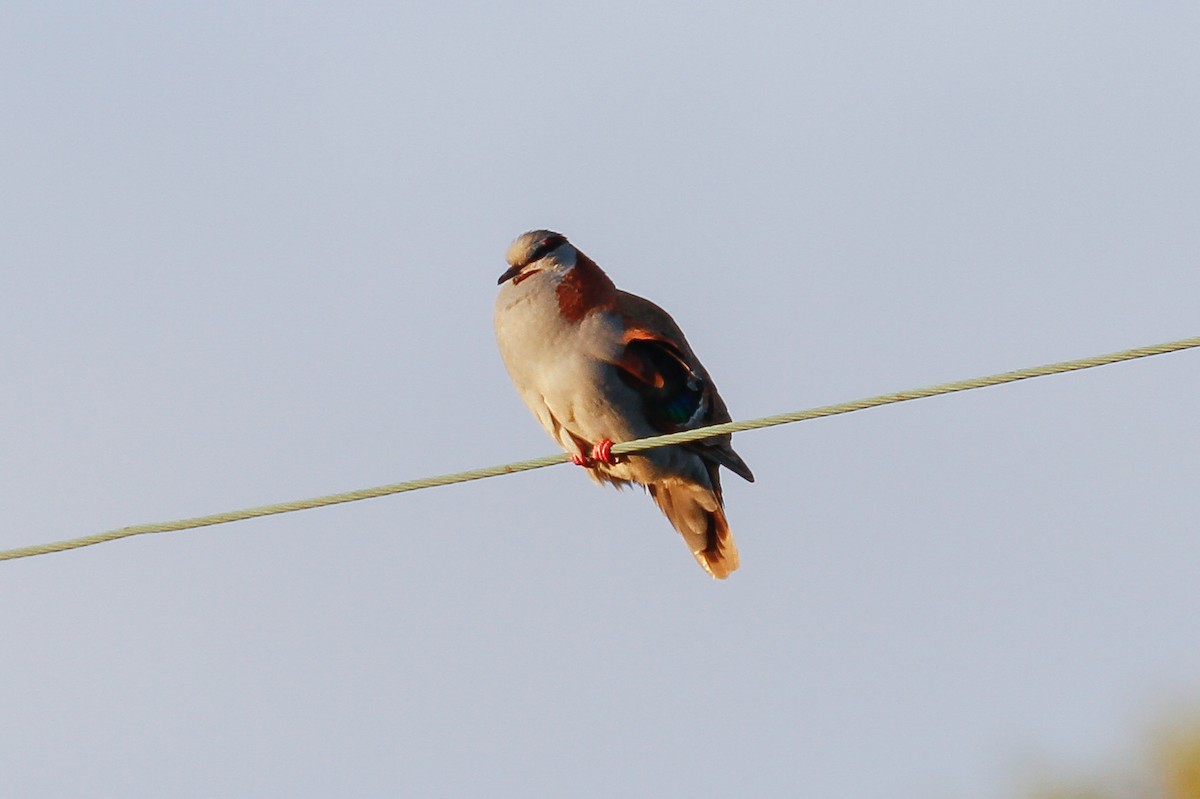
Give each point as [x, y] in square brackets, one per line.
[583, 289]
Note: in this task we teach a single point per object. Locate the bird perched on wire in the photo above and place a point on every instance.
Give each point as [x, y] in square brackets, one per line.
[598, 365]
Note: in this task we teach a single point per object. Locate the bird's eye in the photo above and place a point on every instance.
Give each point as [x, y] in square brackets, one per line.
[545, 247]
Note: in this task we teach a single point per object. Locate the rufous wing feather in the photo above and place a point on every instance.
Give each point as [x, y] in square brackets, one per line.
[675, 390]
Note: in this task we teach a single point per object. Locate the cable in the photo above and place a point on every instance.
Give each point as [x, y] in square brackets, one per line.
[618, 449]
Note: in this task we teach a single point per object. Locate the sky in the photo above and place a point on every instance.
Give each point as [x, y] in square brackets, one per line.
[249, 254]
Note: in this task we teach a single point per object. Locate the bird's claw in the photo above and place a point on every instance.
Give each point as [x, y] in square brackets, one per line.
[601, 453]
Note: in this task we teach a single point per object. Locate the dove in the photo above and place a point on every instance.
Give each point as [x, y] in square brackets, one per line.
[598, 366]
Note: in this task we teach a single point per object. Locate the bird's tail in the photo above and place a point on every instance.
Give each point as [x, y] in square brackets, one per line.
[697, 512]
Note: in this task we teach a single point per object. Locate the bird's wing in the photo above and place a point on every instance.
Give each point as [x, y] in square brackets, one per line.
[675, 390]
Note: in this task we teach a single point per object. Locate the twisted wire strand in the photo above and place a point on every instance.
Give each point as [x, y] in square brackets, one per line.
[618, 449]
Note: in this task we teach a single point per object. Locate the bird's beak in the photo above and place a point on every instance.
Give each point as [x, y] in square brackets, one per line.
[509, 274]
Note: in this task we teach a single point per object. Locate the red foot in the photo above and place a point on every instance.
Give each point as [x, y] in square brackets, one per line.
[602, 452]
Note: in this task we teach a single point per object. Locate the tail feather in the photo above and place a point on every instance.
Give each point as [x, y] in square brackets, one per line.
[696, 512]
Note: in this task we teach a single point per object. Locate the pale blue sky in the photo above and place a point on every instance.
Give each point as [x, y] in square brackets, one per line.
[250, 252]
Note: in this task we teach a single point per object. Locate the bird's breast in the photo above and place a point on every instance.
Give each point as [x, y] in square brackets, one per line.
[550, 356]
[530, 324]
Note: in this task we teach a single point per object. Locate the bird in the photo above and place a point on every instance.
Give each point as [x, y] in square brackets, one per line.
[598, 366]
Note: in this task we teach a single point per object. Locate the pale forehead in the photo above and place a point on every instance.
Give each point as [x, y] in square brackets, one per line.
[520, 250]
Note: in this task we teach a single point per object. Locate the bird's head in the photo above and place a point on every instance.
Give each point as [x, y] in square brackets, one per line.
[537, 251]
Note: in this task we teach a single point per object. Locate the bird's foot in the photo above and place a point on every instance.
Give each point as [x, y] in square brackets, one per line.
[602, 452]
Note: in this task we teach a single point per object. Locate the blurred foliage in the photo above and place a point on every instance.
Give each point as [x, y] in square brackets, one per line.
[1170, 771]
[1180, 764]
